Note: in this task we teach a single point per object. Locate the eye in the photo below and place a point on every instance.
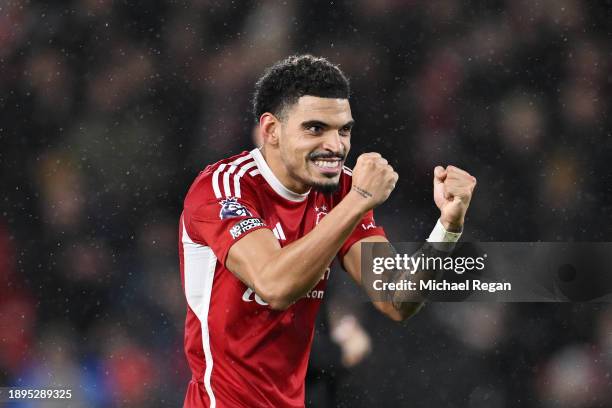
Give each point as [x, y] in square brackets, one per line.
[345, 131]
[314, 129]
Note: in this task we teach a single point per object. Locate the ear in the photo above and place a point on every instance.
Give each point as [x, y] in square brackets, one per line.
[270, 128]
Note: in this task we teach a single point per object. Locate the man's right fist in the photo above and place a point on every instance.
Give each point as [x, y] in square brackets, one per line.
[373, 179]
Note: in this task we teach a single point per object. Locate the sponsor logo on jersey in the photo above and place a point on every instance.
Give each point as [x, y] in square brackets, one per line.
[245, 225]
[368, 226]
[247, 296]
[230, 208]
[315, 294]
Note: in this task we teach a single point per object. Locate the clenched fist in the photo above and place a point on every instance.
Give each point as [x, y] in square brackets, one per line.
[373, 179]
[453, 190]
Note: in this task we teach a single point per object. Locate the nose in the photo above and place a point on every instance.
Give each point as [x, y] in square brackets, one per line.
[333, 142]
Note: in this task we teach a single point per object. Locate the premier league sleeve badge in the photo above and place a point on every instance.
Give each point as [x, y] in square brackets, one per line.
[231, 208]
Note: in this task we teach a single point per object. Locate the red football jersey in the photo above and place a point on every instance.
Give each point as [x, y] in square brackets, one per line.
[241, 352]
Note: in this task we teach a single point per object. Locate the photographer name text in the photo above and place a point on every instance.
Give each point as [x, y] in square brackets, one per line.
[441, 285]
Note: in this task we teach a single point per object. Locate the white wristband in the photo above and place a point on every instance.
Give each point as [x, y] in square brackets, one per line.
[440, 234]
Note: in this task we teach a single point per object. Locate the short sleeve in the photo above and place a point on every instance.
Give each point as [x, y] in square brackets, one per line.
[366, 228]
[220, 222]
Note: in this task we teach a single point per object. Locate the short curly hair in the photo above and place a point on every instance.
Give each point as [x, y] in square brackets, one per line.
[286, 81]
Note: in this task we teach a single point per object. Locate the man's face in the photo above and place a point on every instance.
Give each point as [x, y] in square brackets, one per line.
[315, 140]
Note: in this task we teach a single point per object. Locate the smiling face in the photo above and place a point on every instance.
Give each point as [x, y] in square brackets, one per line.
[314, 140]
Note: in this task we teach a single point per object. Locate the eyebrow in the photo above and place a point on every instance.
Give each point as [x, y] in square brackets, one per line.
[324, 125]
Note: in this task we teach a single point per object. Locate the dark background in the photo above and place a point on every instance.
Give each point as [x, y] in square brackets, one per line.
[108, 110]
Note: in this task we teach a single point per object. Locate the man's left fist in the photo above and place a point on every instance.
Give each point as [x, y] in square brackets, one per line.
[453, 190]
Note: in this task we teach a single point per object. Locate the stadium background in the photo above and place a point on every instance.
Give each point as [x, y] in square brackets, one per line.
[109, 109]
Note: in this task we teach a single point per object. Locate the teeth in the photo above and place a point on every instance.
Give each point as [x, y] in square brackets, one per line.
[327, 164]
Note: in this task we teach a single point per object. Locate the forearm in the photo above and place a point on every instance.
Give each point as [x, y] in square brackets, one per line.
[407, 302]
[401, 304]
[292, 271]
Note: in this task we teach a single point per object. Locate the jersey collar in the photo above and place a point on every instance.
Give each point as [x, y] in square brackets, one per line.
[273, 181]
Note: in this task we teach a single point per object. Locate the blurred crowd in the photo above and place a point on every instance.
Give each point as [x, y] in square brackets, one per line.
[108, 110]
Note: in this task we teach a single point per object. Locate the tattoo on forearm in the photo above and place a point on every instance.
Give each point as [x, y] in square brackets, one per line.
[362, 192]
[408, 302]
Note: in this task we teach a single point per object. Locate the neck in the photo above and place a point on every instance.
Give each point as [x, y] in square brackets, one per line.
[274, 161]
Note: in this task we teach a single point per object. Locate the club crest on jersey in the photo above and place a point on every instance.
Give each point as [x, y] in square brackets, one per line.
[230, 208]
[321, 212]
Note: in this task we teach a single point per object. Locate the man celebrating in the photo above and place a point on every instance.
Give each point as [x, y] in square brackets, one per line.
[260, 229]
